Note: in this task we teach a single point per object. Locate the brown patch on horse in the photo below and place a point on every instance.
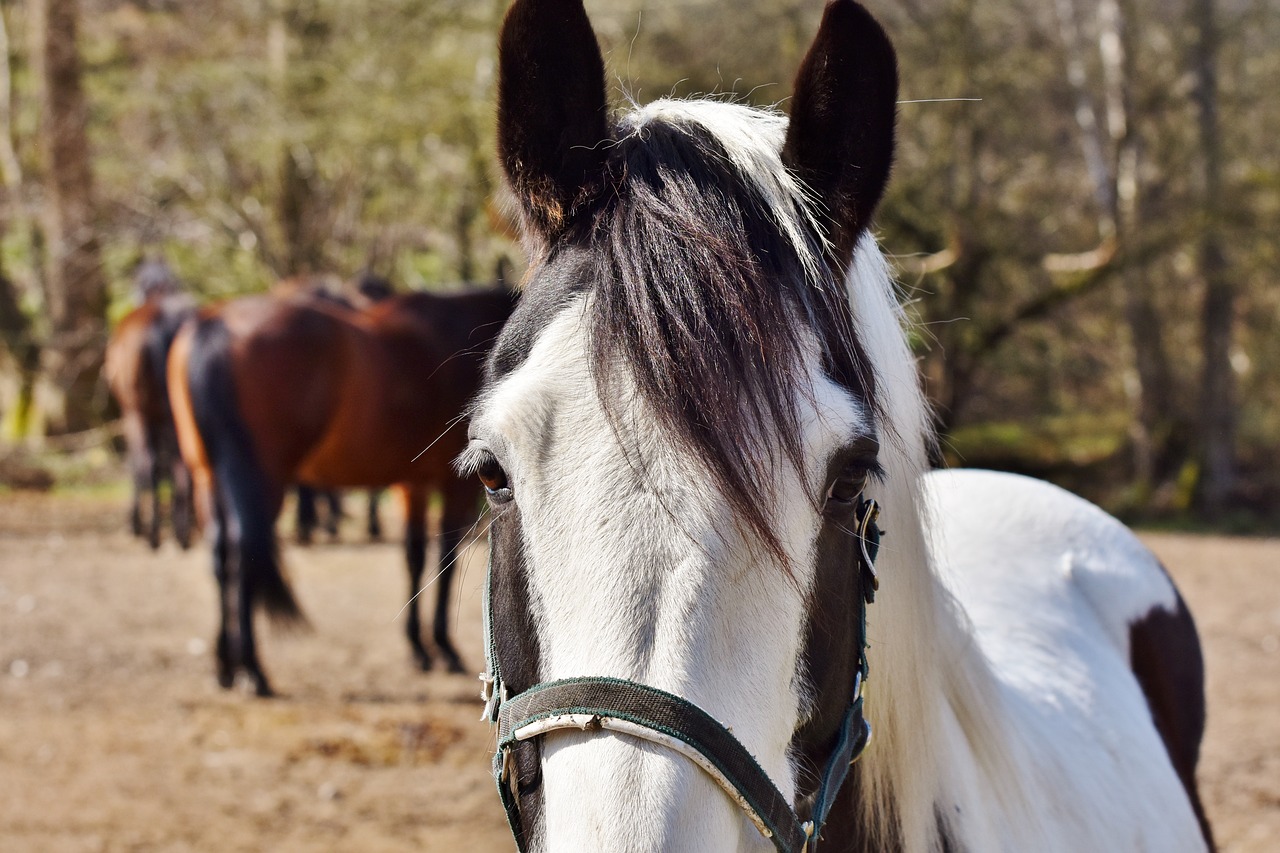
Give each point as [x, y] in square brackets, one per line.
[124, 368]
[1165, 655]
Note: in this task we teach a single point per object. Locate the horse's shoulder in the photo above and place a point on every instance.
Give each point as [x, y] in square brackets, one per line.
[1085, 635]
[1037, 538]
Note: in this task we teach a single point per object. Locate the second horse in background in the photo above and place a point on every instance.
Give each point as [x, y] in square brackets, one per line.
[269, 392]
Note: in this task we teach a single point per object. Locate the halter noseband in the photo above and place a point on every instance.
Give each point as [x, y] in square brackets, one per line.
[593, 704]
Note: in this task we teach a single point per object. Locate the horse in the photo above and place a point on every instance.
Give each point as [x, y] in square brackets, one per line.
[268, 392]
[690, 433]
[135, 367]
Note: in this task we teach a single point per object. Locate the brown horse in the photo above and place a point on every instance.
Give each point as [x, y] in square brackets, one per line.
[269, 392]
[135, 372]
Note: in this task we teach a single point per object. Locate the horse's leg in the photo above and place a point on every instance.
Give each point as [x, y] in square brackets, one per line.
[181, 502]
[334, 520]
[306, 519]
[139, 468]
[224, 653]
[415, 551]
[248, 642]
[139, 477]
[155, 476]
[375, 523]
[257, 542]
[457, 520]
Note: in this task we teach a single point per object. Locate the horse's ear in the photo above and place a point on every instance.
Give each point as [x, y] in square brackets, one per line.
[840, 141]
[552, 112]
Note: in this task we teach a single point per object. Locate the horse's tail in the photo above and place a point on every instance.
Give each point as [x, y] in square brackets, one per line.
[240, 484]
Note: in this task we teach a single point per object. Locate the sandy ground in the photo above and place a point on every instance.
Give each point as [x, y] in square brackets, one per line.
[113, 735]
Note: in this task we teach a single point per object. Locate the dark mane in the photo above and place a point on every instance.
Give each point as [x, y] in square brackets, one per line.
[705, 303]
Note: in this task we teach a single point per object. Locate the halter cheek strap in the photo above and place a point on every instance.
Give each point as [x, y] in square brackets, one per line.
[593, 704]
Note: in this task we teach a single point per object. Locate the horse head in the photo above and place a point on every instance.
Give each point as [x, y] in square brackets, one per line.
[680, 431]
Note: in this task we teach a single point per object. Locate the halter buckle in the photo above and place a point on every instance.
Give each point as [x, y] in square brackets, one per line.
[869, 534]
[492, 693]
[866, 741]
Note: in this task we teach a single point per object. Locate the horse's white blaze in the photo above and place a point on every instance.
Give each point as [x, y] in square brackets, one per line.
[637, 571]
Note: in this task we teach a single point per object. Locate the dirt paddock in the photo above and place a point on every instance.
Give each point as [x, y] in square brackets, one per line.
[113, 735]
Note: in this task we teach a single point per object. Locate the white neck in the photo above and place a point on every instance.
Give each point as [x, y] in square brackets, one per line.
[932, 703]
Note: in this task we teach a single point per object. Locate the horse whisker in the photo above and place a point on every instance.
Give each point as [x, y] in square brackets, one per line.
[445, 565]
[453, 423]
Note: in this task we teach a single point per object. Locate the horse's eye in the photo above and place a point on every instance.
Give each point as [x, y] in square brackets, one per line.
[845, 489]
[494, 479]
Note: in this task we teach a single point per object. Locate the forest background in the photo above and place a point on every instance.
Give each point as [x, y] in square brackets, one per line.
[1083, 215]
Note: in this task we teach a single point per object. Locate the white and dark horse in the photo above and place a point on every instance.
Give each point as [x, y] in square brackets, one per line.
[683, 426]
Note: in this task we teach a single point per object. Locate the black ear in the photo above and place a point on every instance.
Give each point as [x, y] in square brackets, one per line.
[840, 141]
[552, 113]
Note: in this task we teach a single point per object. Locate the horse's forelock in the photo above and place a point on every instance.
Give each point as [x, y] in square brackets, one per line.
[710, 279]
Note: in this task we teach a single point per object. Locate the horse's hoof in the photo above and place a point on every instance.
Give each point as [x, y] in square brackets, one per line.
[226, 678]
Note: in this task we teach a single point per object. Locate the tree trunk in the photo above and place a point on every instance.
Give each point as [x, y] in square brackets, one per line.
[301, 221]
[10, 168]
[75, 288]
[1217, 390]
[302, 210]
[1112, 150]
[1155, 427]
[20, 343]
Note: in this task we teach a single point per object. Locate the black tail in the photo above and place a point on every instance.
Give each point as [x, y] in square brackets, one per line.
[239, 481]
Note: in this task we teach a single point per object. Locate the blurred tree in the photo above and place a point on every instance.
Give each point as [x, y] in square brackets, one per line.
[1112, 148]
[75, 288]
[10, 168]
[1054, 228]
[17, 335]
[1217, 397]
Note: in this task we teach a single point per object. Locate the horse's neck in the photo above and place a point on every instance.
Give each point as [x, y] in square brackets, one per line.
[943, 758]
[932, 701]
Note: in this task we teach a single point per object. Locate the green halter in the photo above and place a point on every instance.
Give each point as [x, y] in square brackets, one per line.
[614, 704]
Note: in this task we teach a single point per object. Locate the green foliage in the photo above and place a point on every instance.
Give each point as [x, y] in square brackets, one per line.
[243, 139]
[1078, 440]
[386, 115]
